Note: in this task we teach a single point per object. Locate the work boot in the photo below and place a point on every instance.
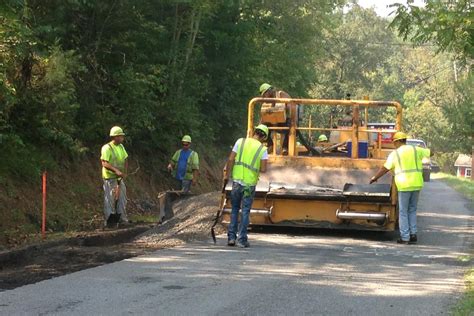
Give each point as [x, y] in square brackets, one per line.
[403, 242]
[413, 239]
[231, 242]
[243, 244]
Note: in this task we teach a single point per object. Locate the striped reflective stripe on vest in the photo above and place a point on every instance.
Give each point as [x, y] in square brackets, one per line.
[400, 162]
[254, 159]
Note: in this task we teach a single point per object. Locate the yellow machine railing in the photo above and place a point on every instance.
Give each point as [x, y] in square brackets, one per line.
[356, 128]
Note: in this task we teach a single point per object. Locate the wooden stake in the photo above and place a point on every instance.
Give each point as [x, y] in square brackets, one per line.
[43, 223]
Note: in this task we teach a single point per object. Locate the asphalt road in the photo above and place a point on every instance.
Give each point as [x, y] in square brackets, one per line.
[294, 272]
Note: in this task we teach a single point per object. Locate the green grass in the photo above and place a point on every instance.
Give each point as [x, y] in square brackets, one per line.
[462, 185]
[466, 305]
[140, 218]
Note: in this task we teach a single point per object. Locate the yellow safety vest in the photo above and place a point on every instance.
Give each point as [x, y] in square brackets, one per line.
[115, 155]
[192, 164]
[408, 167]
[247, 161]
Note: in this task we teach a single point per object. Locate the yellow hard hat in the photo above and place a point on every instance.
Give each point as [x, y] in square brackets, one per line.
[186, 138]
[264, 87]
[322, 138]
[399, 136]
[263, 128]
[116, 131]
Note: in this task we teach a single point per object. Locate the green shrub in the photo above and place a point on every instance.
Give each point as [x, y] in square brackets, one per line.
[446, 161]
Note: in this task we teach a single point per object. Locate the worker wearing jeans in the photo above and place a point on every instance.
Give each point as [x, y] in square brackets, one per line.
[407, 201]
[184, 165]
[240, 195]
[247, 159]
[406, 163]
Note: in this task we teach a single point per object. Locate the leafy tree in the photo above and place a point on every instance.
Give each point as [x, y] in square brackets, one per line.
[71, 69]
[426, 121]
[448, 24]
[354, 52]
[460, 114]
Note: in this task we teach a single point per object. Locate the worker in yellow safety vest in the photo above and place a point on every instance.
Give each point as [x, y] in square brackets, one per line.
[246, 161]
[114, 167]
[406, 163]
[184, 165]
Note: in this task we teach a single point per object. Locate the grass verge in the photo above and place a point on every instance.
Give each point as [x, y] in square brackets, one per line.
[466, 305]
[462, 185]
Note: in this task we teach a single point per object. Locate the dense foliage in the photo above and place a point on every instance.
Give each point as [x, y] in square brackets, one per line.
[449, 25]
[71, 69]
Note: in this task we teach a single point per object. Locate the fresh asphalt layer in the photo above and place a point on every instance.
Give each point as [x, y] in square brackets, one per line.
[284, 272]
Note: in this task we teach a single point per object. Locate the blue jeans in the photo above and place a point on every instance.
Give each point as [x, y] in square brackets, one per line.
[183, 185]
[186, 185]
[407, 201]
[239, 197]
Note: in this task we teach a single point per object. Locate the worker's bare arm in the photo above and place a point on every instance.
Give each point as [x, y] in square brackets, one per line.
[380, 173]
[230, 165]
[109, 166]
[263, 166]
[195, 176]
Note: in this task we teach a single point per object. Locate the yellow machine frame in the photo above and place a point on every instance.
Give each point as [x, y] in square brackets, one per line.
[331, 210]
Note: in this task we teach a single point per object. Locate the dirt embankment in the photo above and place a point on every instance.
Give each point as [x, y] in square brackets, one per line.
[193, 218]
[75, 197]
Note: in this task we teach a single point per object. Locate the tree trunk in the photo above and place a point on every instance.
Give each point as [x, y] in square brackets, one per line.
[177, 28]
[195, 19]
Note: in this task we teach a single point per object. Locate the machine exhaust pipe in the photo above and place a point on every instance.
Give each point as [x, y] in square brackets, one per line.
[253, 211]
[361, 215]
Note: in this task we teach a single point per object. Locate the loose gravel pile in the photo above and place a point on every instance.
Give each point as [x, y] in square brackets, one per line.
[193, 218]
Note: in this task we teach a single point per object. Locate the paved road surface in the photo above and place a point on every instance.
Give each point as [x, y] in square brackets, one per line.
[309, 272]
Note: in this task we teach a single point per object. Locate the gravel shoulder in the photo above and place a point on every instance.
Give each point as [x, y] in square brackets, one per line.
[34, 263]
[192, 221]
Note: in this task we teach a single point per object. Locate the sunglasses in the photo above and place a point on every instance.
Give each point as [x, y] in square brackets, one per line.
[186, 144]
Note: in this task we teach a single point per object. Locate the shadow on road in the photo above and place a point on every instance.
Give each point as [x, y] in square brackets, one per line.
[323, 232]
